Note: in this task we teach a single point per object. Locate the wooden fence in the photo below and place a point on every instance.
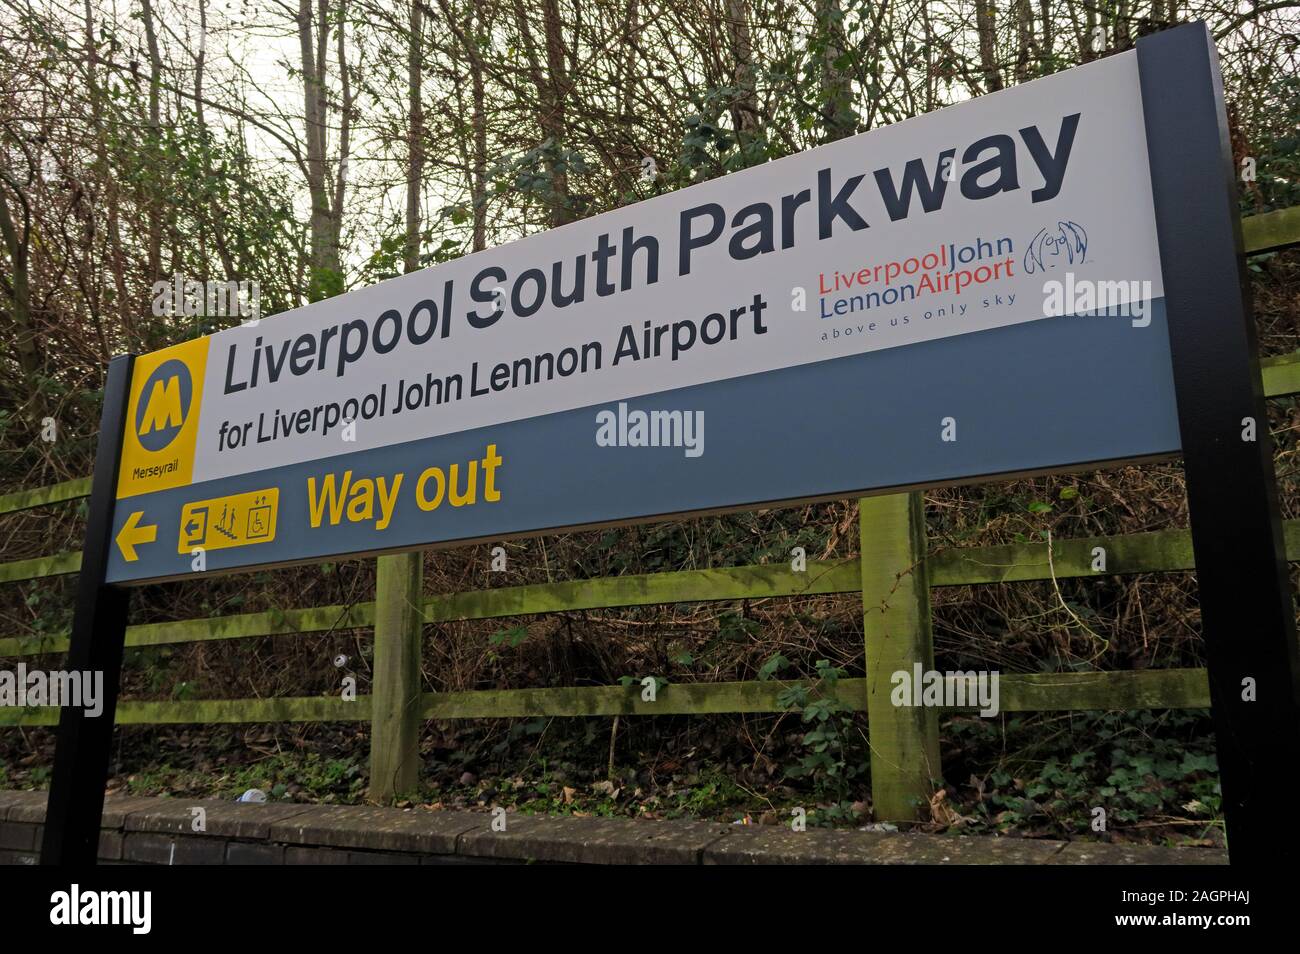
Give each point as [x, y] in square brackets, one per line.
[894, 575]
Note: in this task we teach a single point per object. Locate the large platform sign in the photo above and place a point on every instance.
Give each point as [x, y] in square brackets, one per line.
[974, 292]
[1047, 278]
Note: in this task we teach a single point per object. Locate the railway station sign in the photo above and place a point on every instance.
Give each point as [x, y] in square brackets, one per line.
[1046, 278]
[974, 292]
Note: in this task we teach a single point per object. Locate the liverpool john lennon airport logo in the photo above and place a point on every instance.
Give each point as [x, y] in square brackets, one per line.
[1065, 244]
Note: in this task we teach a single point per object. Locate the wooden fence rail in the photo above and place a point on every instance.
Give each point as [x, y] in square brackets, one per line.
[893, 576]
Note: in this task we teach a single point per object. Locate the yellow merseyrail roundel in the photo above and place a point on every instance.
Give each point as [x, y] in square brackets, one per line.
[162, 420]
[237, 520]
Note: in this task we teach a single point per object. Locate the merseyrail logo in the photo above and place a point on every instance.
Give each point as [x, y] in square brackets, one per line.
[168, 395]
[162, 420]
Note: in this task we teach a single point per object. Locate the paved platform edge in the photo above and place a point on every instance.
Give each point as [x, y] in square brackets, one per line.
[161, 831]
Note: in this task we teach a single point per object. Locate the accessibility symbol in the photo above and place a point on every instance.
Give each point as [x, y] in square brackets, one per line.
[260, 519]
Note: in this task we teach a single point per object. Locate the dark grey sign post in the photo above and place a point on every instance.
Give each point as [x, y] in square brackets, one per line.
[1247, 609]
[76, 802]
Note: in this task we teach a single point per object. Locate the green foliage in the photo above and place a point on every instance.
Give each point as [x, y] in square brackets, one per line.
[1274, 144]
[770, 668]
[1142, 767]
[827, 760]
[212, 180]
[630, 681]
[308, 776]
[386, 260]
[48, 608]
[712, 792]
[324, 283]
[533, 176]
[511, 637]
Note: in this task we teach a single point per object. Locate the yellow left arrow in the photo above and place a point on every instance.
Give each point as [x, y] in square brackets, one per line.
[132, 534]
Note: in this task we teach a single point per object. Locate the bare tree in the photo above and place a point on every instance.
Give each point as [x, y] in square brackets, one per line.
[986, 27]
[326, 223]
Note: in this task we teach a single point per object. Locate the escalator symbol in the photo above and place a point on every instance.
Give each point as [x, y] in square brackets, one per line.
[225, 525]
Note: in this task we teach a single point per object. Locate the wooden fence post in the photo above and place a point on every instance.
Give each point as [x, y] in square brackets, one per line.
[896, 628]
[395, 695]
